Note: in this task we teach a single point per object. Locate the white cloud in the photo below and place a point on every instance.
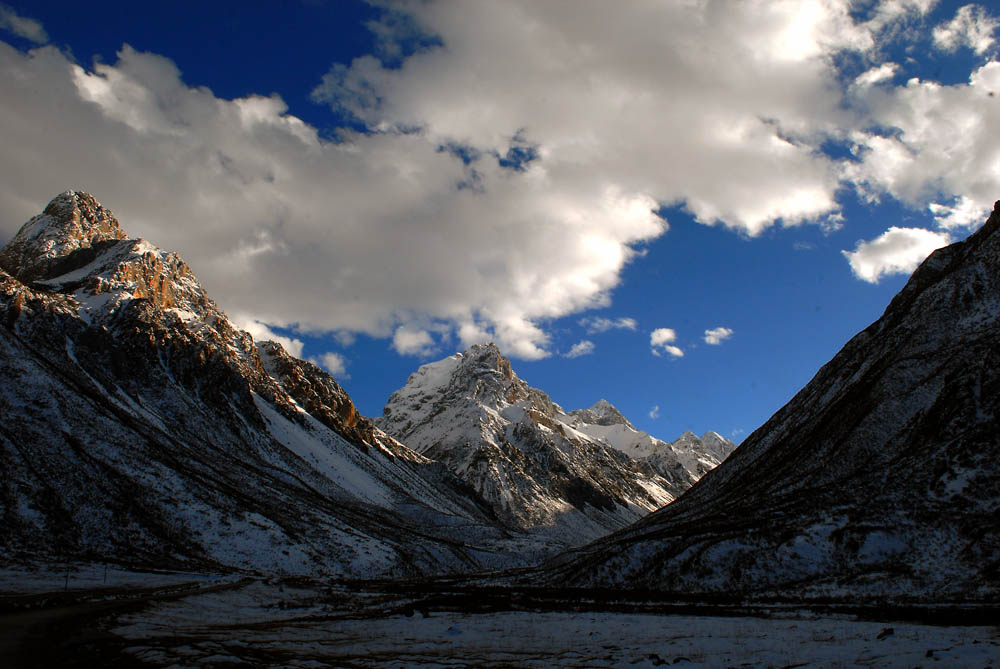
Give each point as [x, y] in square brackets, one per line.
[408, 341]
[972, 27]
[896, 251]
[262, 332]
[661, 336]
[660, 339]
[716, 336]
[364, 236]
[29, 29]
[332, 362]
[585, 118]
[630, 96]
[944, 146]
[654, 413]
[963, 213]
[597, 324]
[582, 347]
[883, 72]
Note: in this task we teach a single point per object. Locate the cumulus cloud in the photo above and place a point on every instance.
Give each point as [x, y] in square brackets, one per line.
[332, 362]
[972, 27]
[582, 347]
[597, 324]
[716, 336]
[408, 341]
[506, 177]
[896, 251]
[654, 413]
[595, 90]
[964, 213]
[942, 151]
[660, 340]
[366, 235]
[22, 26]
[262, 332]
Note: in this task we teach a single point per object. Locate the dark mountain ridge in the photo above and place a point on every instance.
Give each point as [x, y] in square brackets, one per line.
[878, 480]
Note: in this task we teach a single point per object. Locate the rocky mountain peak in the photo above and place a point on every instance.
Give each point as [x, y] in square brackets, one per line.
[141, 424]
[480, 359]
[70, 222]
[77, 247]
[602, 412]
[571, 476]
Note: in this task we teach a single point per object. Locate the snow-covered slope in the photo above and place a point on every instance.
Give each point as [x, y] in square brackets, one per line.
[686, 459]
[570, 476]
[137, 424]
[879, 479]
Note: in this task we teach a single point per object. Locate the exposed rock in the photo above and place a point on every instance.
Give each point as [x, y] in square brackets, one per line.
[72, 221]
[878, 480]
[139, 425]
[541, 469]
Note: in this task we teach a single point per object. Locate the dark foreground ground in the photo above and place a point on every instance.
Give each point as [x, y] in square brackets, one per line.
[211, 621]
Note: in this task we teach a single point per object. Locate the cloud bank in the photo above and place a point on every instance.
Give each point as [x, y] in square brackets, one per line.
[507, 176]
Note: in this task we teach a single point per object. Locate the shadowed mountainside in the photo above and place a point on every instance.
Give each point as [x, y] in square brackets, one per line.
[878, 480]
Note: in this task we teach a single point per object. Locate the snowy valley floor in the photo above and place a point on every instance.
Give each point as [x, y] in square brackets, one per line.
[220, 622]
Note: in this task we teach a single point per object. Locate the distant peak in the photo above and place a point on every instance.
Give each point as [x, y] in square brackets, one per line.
[602, 412]
[71, 221]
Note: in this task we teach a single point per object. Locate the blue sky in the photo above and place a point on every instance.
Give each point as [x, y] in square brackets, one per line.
[595, 186]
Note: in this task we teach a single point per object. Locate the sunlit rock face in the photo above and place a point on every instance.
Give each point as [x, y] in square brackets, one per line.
[71, 221]
[572, 476]
[878, 480]
[139, 425]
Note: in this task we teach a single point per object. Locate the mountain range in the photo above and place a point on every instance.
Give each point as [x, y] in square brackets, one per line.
[141, 426]
[571, 476]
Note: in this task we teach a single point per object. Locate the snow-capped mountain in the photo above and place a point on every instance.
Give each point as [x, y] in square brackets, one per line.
[879, 480]
[684, 461]
[138, 424]
[570, 476]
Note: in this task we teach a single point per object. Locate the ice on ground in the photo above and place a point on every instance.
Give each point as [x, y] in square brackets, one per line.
[336, 627]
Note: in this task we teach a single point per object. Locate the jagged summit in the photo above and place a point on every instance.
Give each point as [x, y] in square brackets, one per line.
[77, 247]
[70, 222]
[568, 474]
[602, 412]
[140, 425]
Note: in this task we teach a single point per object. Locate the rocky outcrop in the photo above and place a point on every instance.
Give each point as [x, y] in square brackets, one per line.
[71, 222]
[139, 425]
[877, 481]
[541, 469]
